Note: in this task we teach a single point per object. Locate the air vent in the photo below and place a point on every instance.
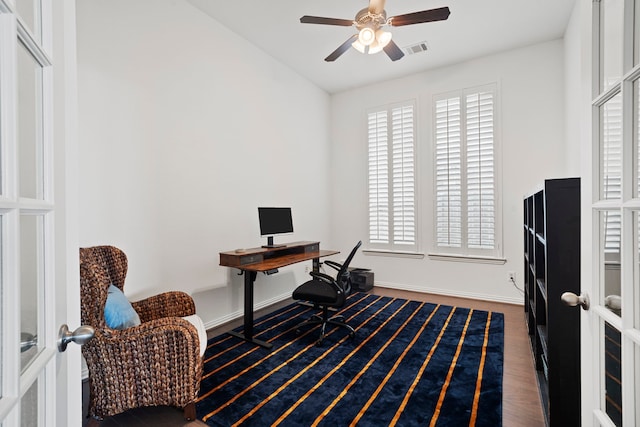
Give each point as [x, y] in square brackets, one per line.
[416, 48]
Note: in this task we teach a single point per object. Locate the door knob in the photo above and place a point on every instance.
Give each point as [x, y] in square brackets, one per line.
[571, 299]
[613, 302]
[80, 336]
[27, 341]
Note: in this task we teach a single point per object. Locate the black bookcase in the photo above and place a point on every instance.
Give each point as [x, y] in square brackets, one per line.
[552, 267]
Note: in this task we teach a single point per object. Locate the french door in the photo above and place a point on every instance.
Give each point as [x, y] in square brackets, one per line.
[35, 278]
[611, 328]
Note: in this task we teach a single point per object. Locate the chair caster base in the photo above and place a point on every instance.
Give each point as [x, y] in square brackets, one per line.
[316, 319]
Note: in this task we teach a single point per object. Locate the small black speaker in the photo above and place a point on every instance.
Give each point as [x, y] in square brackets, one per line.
[361, 279]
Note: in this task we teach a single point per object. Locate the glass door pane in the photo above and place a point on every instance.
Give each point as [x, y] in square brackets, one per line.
[30, 124]
[29, 406]
[31, 286]
[612, 375]
[611, 148]
[610, 284]
[610, 42]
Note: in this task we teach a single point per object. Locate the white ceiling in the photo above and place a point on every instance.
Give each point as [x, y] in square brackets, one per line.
[474, 28]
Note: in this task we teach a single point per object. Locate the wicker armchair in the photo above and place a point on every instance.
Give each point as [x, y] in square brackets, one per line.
[155, 363]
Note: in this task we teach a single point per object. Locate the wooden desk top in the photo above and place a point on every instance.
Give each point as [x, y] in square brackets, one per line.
[283, 261]
[262, 250]
[264, 259]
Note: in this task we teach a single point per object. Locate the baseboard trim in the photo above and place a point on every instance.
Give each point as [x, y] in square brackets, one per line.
[449, 293]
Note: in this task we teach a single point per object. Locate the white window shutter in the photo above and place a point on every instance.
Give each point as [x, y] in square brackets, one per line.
[480, 171]
[448, 173]
[392, 188]
[465, 172]
[378, 178]
[404, 222]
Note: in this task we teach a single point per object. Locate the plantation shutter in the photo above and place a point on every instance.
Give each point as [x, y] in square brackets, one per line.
[448, 174]
[404, 223]
[378, 178]
[480, 171]
[391, 154]
[465, 172]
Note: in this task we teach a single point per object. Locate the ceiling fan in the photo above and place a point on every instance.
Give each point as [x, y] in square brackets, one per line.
[371, 38]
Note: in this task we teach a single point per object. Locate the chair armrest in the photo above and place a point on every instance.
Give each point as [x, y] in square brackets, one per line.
[160, 357]
[153, 329]
[167, 304]
[322, 277]
[336, 266]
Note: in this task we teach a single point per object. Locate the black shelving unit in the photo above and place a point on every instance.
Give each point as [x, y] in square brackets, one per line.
[552, 267]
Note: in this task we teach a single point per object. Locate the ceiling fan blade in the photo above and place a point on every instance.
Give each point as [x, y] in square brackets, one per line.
[393, 51]
[341, 49]
[376, 6]
[431, 15]
[306, 19]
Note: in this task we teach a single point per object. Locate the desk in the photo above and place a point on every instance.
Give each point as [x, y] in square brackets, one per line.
[252, 261]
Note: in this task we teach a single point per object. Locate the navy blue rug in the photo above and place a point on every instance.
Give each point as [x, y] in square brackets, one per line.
[409, 364]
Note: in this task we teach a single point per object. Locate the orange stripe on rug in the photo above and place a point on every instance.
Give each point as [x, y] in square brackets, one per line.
[413, 385]
[476, 396]
[445, 386]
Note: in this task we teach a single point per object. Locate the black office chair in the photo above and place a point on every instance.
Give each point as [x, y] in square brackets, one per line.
[324, 291]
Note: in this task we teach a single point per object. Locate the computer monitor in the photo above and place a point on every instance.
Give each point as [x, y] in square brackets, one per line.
[274, 221]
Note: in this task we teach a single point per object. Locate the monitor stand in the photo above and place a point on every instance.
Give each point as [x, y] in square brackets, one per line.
[271, 245]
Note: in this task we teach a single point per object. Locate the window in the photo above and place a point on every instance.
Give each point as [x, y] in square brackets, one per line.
[466, 185]
[392, 189]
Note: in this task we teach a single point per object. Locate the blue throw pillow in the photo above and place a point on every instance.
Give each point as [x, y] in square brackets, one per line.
[118, 312]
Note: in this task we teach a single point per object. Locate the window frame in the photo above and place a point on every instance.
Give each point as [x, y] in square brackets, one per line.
[464, 253]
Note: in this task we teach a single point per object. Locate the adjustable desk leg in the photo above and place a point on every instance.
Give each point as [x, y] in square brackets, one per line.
[247, 334]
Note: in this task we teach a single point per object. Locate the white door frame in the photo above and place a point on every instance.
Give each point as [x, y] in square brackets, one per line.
[66, 178]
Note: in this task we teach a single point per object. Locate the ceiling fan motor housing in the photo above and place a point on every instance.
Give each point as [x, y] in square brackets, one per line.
[364, 19]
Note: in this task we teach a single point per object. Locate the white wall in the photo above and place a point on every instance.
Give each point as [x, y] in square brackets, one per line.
[531, 85]
[185, 129]
[573, 92]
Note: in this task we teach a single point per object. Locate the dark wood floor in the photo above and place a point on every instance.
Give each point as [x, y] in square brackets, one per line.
[521, 401]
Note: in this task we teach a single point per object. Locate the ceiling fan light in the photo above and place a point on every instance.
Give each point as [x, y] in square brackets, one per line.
[366, 36]
[375, 48]
[358, 46]
[383, 38]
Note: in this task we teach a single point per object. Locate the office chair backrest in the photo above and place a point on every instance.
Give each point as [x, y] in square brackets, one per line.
[343, 277]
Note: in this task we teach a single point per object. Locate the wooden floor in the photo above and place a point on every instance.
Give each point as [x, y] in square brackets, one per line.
[521, 401]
